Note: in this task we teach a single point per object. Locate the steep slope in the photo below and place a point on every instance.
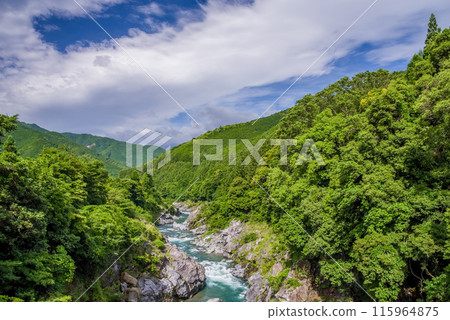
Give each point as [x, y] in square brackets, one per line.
[110, 148]
[32, 139]
[173, 178]
[379, 205]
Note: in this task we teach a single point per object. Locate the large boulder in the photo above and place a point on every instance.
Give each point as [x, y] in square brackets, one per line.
[295, 289]
[180, 278]
[180, 226]
[128, 279]
[165, 219]
[192, 273]
[192, 218]
[224, 242]
[259, 289]
[241, 271]
[298, 286]
[199, 230]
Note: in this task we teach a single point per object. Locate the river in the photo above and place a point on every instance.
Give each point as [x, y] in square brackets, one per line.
[220, 283]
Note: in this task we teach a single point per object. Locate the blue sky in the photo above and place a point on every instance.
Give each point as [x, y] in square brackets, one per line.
[116, 19]
[223, 61]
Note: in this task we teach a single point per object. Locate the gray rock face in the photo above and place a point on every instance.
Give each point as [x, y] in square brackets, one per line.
[223, 242]
[276, 269]
[240, 271]
[297, 286]
[180, 277]
[180, 226]
[165, 219]
[299, 294]
[199, 230]
[215, 300]
[185, 273]
[150, 291]
[259, 289]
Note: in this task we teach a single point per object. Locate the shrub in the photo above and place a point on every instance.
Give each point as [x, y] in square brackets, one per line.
[249, 237]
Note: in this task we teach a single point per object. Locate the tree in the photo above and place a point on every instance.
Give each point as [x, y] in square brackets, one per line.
[7, 124]
[433, 29]
[10, 145]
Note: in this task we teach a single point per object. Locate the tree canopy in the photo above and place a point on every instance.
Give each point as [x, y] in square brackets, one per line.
[63, 219]
[379, 205]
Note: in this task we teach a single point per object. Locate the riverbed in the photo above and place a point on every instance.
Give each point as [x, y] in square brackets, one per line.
[220, 283]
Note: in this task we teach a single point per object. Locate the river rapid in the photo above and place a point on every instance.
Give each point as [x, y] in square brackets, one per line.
[220, 283]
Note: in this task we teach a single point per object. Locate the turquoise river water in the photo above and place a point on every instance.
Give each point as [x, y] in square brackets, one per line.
[220, 283]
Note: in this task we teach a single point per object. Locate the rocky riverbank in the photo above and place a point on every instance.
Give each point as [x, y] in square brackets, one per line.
[260, 259]
[156, 270]
[179, 278]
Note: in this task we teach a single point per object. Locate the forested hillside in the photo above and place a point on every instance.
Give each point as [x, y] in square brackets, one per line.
[31, 139]
[63, 220]
[179, 173]
[110, 148]
[379, 205]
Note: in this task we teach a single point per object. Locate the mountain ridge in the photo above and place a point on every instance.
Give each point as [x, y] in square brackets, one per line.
[31, 139]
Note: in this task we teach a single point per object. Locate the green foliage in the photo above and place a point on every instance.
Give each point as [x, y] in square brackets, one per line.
[276, 282]
[380, 203]
[293, 283]
[437, 288]
[159, 244]
[173, 178]
[433, 29]
[249, 237]
[31, 140]
[381, 264]
[62, 217]
[107, 147]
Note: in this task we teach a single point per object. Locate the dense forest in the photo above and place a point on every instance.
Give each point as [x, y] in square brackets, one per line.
[63, 220]
[379, 205]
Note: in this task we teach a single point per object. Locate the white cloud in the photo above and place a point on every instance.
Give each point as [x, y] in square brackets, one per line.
[151, 9]
[393, 53]
[205, 63]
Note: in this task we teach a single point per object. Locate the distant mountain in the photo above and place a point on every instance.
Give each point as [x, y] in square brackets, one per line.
[110, 148]
[31, 139]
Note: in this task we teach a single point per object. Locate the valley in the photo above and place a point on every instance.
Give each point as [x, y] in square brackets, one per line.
[370, 223]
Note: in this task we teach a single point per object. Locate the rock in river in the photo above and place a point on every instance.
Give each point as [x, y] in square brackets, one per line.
[180, 278]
